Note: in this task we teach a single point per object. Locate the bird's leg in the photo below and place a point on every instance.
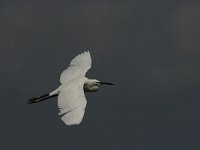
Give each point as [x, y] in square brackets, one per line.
[41, 98]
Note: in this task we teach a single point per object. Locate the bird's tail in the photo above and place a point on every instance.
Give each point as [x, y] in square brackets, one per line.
[43, 97]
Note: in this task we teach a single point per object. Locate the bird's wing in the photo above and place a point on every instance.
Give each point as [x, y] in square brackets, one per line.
[72, 102]
[78, 68]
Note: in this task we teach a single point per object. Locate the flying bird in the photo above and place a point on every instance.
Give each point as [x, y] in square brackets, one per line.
[71, 97]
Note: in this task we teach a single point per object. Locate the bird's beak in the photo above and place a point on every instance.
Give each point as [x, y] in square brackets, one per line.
[106, 83]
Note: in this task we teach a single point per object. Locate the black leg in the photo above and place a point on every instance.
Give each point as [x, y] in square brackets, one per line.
[39, 99]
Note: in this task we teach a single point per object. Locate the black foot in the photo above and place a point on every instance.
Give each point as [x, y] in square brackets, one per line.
[33, 100]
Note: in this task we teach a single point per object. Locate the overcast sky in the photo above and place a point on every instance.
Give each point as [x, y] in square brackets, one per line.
[149, 48]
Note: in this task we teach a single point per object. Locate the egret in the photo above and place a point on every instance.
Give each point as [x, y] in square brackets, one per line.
[71, 98]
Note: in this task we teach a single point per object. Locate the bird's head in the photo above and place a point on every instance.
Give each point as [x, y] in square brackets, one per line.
[92, 85]
[95, 82]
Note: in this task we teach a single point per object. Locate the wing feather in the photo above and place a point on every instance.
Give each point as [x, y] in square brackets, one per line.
[77, 69]
[72, 101]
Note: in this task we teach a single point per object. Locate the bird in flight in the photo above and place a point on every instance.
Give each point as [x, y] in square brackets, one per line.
[71, 97]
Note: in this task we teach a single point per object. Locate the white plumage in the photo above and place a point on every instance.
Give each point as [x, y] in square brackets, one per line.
[71, 97]
[78, 68]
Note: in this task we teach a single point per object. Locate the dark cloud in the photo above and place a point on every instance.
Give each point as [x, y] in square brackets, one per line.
[150, 49]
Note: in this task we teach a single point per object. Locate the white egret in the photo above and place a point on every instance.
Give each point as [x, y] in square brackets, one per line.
[71, 98]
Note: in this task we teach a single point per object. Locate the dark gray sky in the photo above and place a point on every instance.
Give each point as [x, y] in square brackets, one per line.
[149, 48]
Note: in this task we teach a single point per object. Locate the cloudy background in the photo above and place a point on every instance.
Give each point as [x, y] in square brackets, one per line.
[149, 48]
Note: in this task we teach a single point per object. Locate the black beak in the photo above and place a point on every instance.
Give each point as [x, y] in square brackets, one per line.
[106, 83]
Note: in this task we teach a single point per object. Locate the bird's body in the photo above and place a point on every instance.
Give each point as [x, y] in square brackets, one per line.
[71, 97]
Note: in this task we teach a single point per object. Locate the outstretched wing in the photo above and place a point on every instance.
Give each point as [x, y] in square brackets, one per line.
[78, 68]
[72, 102]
